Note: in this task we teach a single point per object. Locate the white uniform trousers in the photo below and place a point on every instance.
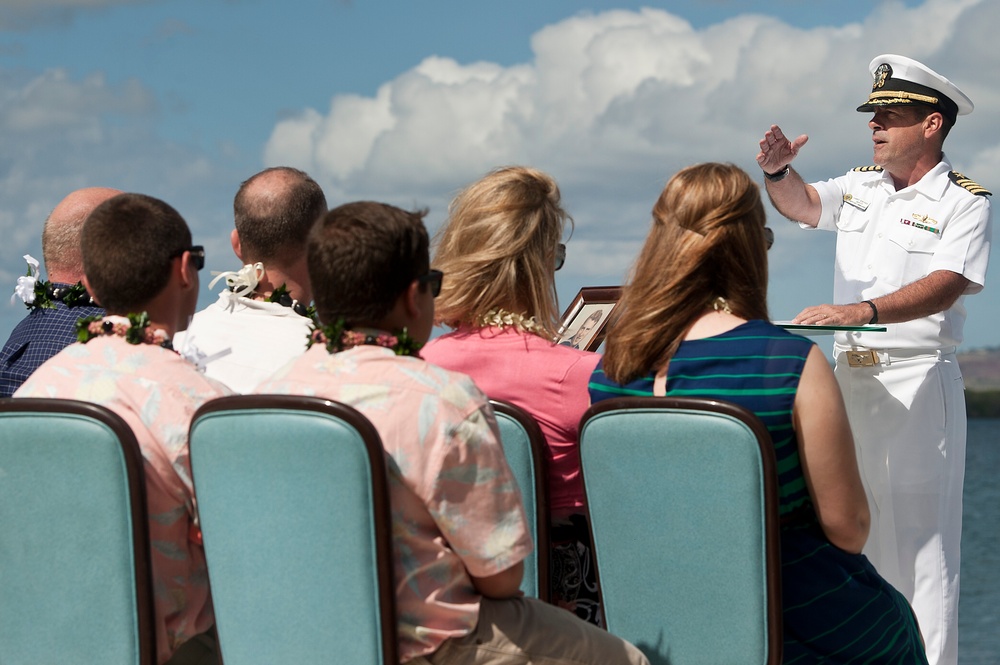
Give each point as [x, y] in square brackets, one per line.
[909, 423]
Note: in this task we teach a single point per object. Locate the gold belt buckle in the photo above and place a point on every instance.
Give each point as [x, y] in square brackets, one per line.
[867, 358]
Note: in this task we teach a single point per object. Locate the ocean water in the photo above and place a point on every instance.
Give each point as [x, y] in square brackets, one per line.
[979, 604]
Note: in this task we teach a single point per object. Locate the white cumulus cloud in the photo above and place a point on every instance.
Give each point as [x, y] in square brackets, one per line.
[62, 133]
[613, 103]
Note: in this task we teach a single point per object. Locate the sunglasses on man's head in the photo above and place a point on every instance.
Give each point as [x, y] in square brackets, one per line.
[433, 279]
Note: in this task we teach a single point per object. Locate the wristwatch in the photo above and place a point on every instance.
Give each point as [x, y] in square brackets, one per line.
[777, 177]
[874, 318]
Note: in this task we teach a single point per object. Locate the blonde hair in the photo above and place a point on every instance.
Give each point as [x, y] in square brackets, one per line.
[706, 241]
[498, 247]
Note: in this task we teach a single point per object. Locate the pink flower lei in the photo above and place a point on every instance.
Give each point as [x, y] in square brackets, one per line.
[133, 327]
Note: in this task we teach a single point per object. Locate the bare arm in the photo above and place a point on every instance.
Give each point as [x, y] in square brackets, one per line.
[791, 195]
[928, 295]
[505, 584]
[826, 448]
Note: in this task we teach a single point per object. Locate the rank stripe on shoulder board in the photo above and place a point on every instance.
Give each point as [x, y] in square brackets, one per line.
[969, 184]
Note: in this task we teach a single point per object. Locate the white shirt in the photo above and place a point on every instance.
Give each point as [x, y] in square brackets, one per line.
[888, 239]
[261, 336]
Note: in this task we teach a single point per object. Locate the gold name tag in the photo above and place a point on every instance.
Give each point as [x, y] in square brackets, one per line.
[862, 358]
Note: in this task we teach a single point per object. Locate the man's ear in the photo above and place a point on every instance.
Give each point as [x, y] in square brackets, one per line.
[187, 271]
[933, 123]
[411, 300]
[86, 285]
[234, 238]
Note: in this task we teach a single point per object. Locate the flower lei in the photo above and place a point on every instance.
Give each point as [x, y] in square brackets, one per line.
[339, 337]
[244, 281]
[502, 318]
[133, 327]
[37, 293]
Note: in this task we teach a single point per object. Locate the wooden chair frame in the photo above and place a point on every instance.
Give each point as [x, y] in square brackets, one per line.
[540, 490]
[380, 492]
[136, 482]
[772, 558]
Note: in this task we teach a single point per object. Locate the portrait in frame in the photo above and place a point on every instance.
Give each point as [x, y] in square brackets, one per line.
[585, 321]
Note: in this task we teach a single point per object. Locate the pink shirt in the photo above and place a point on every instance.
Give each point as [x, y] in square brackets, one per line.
[546, 380]
[455, 505]
[156, 392]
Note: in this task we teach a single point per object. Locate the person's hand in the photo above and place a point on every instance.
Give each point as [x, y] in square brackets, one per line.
[776, 151]
[856, 314]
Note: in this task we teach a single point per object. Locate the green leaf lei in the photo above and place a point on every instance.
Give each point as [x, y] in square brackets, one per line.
[135, 332]
[339, 337]
[281, 296]
[46, 295]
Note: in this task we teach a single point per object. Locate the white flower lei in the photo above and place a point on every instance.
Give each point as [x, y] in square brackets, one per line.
[501, 318]
[25, 289]
[242, 282]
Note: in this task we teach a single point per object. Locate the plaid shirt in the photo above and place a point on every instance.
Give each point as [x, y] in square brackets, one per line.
[36, 338]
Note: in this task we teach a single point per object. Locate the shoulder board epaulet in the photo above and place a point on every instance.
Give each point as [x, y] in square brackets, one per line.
[867, 169]
[968, 184]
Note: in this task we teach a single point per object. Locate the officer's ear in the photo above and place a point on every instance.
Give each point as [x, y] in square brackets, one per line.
[933, 123]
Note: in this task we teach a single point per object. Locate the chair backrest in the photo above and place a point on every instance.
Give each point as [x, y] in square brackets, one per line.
[682, 494]
[294, 512]
[74, 544]
[524, 447]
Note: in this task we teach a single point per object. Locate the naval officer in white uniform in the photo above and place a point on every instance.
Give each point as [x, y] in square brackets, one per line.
[913, 241]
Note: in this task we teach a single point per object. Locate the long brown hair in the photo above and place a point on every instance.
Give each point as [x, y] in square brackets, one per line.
[706, 241]
[497, 249]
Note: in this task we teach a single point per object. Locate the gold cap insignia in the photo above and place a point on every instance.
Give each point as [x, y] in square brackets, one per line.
[883, 72]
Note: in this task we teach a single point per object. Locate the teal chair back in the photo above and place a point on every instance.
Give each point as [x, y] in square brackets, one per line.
[294, 512]
[524, 447]
[74, 545]
[682, 494]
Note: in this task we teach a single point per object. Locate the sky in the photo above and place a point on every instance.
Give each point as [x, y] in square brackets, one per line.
[407, 102]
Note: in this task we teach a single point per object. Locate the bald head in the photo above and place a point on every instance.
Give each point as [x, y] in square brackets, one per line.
[61, 236]
[274, 211]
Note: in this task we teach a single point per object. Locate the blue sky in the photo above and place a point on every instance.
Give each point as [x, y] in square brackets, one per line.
[406, 102]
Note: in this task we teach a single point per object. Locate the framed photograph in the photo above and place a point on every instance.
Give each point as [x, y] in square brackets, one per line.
[584, 321]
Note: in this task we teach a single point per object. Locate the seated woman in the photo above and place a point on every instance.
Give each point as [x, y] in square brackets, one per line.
[694, 322]
[500, 249]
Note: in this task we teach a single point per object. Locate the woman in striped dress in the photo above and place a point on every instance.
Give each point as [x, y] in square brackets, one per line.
[693, 321]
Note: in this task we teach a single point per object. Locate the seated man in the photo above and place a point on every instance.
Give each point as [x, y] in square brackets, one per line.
[261, 321]
[55, 305]
[460, 533]
[139, 263]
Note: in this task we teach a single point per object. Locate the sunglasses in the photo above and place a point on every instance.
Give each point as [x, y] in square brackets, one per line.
[433, 279]
[560, 255]
[768, 236]
[197, 255]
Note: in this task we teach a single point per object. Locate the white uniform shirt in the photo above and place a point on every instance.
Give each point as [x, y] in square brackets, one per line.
[888, 239]
[262, 337]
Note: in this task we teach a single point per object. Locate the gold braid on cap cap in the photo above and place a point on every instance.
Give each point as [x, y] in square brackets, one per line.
[901, 97]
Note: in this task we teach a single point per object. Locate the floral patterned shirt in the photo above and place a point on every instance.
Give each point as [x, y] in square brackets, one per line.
[455, 505]
[156, 392]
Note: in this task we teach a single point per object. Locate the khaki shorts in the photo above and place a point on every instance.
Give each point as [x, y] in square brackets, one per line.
[526, 630]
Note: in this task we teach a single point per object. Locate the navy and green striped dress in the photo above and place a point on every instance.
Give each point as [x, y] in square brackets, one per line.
[837, 609]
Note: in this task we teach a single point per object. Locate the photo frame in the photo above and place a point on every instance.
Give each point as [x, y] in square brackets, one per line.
[585, 321]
